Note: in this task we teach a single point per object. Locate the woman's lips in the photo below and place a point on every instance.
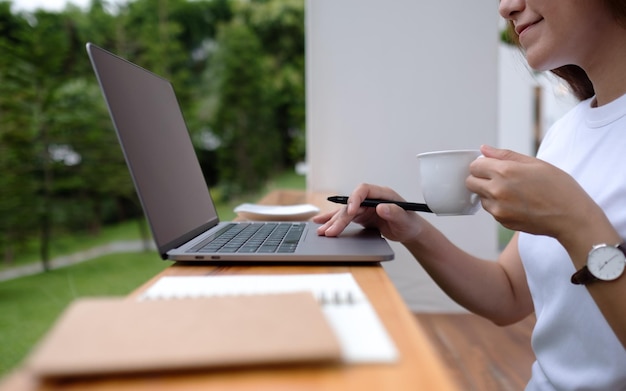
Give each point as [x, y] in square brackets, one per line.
[523, 27]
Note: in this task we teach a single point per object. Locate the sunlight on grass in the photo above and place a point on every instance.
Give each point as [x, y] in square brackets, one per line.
[64, 244]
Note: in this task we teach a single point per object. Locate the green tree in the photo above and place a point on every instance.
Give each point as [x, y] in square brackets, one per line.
[93, 188]
[18, 188]
[237, 66]
[38, 61]
[250, 146]
[48, 60]
[258, 57]
[280, 26]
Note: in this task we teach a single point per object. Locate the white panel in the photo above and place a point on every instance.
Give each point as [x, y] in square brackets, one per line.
[387, 80]
[516, 106]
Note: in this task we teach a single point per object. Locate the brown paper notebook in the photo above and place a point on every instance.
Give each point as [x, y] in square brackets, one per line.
[97, 336]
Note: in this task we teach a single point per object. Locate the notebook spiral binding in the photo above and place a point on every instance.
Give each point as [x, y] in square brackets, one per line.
[335, 298]
[323, 298]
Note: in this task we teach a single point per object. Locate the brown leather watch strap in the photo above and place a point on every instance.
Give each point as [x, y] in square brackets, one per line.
[584, 276]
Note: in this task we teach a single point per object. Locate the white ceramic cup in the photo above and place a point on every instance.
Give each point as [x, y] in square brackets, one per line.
[443, 175]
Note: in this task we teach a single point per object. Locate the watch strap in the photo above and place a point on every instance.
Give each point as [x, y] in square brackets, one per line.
[584, 276]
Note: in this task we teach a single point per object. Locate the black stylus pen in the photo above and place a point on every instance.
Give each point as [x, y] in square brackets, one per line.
[370, 202]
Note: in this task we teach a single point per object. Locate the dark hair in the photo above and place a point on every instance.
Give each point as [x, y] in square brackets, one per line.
[577, 79]
[575, 76]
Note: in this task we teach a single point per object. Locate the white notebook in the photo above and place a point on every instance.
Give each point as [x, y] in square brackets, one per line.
[362, 336]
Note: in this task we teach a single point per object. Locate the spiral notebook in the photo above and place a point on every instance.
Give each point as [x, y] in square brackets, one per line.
[362, 336]
[112, 336]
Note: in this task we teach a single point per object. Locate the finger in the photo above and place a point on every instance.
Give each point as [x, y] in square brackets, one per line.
[390, 212]
[326, 220]
[503, 154]
[321, 230]
[324, 217]
[336, 225]
[359, 194]
[476, 183]
[399, 224]
[481, 169]
[365, 191]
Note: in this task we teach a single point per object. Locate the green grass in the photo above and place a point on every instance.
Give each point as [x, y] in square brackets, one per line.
[63, 244]
[29, 305]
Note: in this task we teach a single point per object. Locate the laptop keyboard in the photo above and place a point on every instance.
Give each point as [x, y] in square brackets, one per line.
[254, 237]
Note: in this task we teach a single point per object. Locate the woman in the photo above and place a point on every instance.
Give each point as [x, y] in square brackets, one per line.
[562, 203]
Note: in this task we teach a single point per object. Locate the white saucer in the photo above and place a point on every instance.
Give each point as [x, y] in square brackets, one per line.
[300, 212]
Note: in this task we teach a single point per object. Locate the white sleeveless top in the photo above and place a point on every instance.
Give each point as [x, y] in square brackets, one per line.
[574, 345]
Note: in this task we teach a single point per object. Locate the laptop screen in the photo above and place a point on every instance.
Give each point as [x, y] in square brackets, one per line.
[158, 150]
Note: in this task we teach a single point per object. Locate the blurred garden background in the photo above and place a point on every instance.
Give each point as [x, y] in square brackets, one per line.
[238, 70]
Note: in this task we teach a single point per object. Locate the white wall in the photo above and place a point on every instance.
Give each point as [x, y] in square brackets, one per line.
[387, 80]
[516, 104]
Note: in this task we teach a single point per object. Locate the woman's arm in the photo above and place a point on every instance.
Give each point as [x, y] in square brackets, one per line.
[494, 289]
[529, 195]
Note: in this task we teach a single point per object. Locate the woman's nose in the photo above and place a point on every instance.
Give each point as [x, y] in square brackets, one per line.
[508, 8]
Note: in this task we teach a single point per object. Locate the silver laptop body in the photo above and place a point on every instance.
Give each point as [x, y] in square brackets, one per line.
[169, 181]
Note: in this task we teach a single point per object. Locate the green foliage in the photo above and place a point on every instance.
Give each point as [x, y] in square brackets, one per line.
[508, 36]
[254, 101]
[279, 24]
[36, 59]
[250, 145]
[238, 68]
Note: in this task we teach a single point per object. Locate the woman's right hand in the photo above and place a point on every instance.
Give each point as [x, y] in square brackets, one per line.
[393, 222]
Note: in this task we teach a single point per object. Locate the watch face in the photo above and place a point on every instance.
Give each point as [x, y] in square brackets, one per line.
[606, 262]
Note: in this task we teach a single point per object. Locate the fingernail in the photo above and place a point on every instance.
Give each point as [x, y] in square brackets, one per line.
[384, 210]
[487, 148]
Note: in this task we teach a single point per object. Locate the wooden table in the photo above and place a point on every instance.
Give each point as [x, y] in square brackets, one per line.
[419, 367]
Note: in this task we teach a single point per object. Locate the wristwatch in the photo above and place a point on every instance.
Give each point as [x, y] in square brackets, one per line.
[604, 263]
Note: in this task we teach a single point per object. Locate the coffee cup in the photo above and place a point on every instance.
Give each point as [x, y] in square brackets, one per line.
[443, 175]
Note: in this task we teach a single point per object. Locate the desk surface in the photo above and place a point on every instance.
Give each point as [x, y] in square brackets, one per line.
[419, 367]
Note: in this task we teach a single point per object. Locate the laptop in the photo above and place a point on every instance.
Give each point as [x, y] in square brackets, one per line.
[174, 194]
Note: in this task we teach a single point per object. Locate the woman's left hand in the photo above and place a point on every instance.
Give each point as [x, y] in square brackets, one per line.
[527, 194]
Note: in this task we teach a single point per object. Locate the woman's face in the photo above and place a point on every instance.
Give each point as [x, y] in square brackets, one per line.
[554, 33]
